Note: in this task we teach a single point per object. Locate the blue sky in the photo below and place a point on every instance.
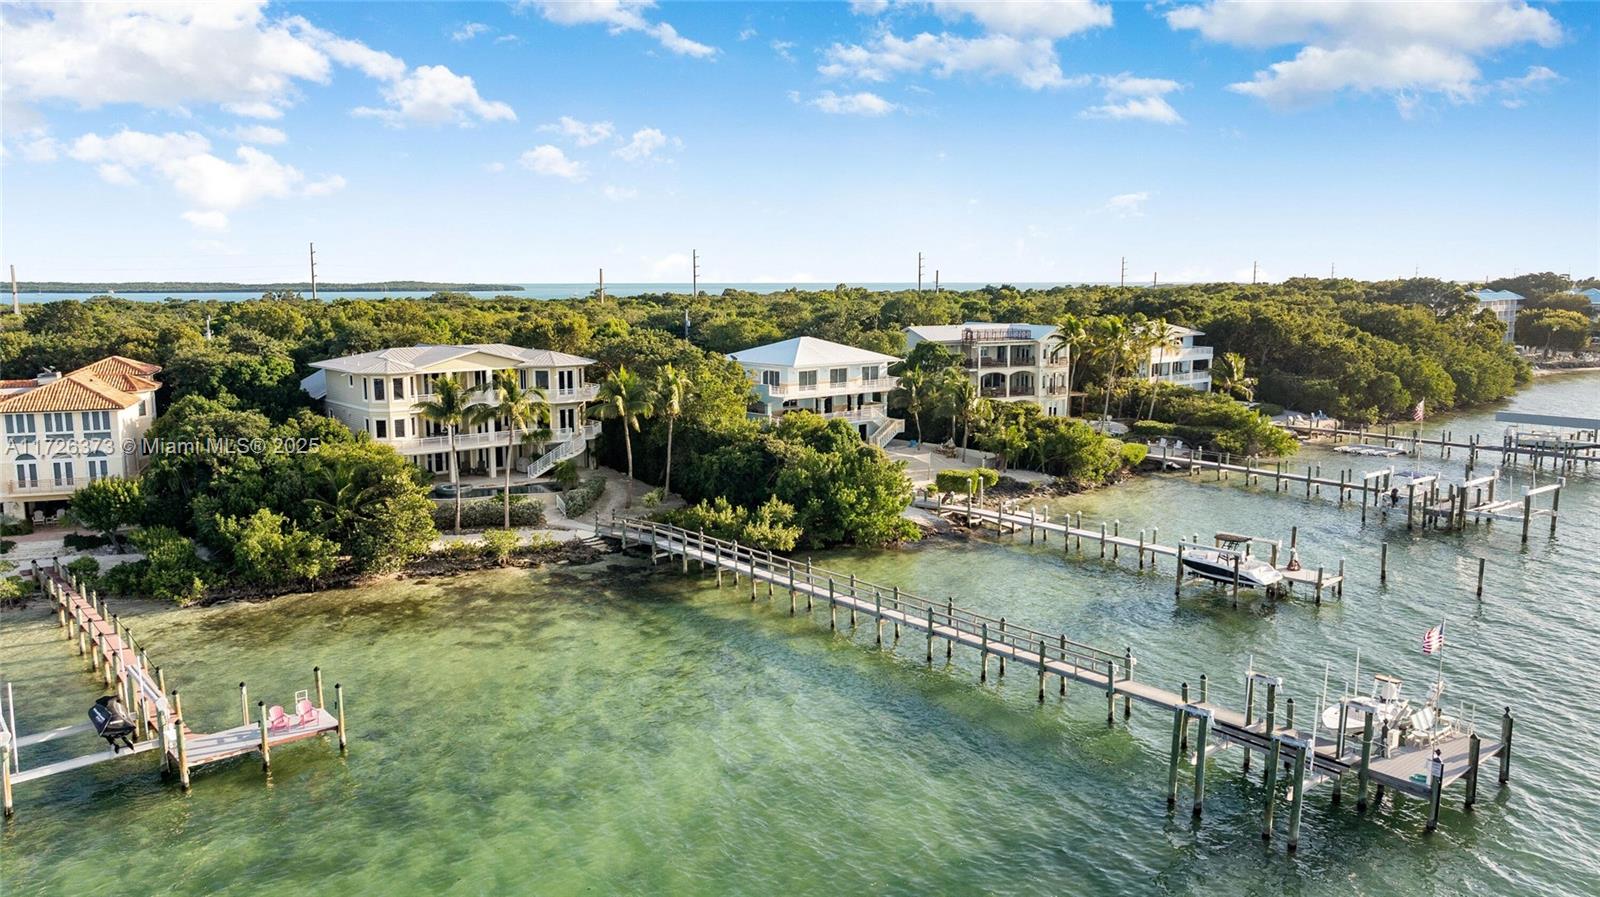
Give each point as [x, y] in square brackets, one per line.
[800, 142]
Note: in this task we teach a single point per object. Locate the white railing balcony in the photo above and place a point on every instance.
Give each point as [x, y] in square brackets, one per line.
[427, 445]
[830, 387]
[585, 393]
[44, 486]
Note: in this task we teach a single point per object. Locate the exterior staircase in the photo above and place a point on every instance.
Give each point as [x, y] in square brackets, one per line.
[888, 428]
[572, 447]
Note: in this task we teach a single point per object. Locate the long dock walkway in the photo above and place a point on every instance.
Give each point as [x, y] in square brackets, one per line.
[1455, 756]
[1425, 505]
[1572, 454]
[1319, 580]
[123, 665]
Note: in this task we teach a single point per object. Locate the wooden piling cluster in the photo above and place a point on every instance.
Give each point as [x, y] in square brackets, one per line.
[118, 661]
[1215, 726]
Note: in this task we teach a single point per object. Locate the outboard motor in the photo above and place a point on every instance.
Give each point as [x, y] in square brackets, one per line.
[112, 723]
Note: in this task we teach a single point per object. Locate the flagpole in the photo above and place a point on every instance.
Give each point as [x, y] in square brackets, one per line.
[1441, 651]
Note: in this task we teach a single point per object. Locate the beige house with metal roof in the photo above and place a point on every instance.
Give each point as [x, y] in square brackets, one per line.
[378, 392]
[826, 378]
[1007, 362]
[65, 430]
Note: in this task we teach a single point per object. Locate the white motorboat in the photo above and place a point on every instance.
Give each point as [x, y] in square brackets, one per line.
[1406, 722]
[1375, 451]
[1228, 559]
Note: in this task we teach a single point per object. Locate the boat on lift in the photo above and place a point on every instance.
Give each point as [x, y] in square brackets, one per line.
[1231, 558]
[1406, 723]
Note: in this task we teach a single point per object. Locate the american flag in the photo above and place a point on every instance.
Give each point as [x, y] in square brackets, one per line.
[1417, 412]
[1433, 640]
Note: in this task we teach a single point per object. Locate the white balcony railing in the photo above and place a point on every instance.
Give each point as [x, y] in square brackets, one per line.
[50, 485]
[427, 445]
[879, 384]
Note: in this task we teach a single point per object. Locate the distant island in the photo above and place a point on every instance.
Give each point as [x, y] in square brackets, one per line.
[184, 286]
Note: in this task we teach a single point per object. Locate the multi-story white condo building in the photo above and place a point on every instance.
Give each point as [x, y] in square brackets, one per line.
[1009, 362]
[378, 393]
[1177, 360]
[1505, 305]
[65, 430]
[830, 379]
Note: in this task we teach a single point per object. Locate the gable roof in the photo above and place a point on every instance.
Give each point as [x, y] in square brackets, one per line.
[410, 359]
[951, 333]
[1497, 296]
[808, 351]
[1593, 293]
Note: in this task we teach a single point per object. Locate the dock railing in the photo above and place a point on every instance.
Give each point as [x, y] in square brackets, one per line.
[886, 603]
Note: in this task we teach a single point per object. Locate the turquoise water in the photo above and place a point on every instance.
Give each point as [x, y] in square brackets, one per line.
[613, 729]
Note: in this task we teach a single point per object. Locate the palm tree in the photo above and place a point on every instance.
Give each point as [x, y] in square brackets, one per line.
[1228, 376]
[344, 503]
[1152, 335]
[1108, 341]
[626, 398]
[916, 383]
[525, 415]
[673, 388]
[1069, 337]
[962, 395]
[450, 408]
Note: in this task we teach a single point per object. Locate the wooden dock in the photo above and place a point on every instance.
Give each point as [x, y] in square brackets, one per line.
[1472, 500]
[122, 665]
[1104, 671]
[1572, 453]
[1145, 548]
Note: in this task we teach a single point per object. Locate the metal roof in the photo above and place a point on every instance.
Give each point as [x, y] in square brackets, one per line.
[808, 351]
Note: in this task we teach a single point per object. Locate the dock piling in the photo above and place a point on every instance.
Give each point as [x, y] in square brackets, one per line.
[266, 745]
[1505, 746]
[1298, 802]
[338, 702]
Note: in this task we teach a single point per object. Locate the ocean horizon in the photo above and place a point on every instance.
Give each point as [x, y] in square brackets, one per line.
[559, 290]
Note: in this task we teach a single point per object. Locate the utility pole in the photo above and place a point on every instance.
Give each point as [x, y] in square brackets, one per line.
[1154, 278]
[1122, 279]
[313, 272]
[602, 284]
[936, 281]
[1331, 269]
[694, 278]
[16, 304]
[1255, 268]
[919, 274]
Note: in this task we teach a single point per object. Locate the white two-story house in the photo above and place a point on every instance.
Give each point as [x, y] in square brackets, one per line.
[65, 430]
[378, 392]
[1177, 360]
[827, 378]
[1008, 362]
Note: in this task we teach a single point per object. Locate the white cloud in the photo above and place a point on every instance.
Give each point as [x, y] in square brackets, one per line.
[581, 132]
[215, 186]
[330, 184]
[782, 48]
[1018, 42]
[644, 143]
[1153, 109]
[1140, 107]
[207, 220]
[434, 95]
[1127, 205]
[1130, 97]
[1404, 51]
[550, 160]
[619, 16]
[41, 149]
[747, 33]
[868, 7]
[508, 39]
[863, 103]
[469, 31]
[619, 194]
[1514, 90]
[184, 53]
[1028, 18]
[494, 167]
[258, 134]
[673, 264]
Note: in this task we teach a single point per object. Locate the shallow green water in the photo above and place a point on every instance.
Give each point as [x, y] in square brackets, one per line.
[611, 730]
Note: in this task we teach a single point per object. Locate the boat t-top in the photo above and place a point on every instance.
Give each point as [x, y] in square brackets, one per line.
[1231, 558]
[1406, 723]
